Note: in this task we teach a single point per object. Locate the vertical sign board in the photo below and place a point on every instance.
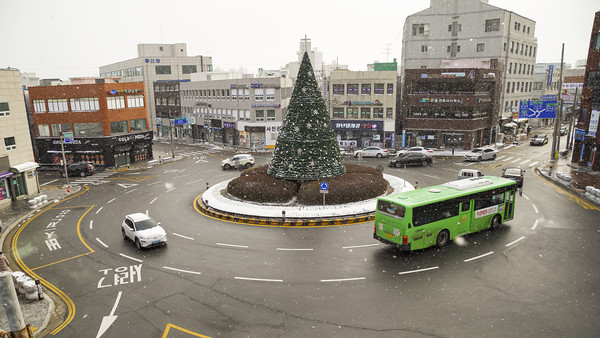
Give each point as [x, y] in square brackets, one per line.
[550, 71]
[593, 123]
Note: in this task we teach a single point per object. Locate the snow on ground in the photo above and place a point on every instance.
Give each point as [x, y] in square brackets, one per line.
[215, 199]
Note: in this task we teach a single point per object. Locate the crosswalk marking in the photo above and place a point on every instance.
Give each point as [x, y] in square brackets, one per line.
[533, 163]
[516, 160]
[508, 159]
[527, 160]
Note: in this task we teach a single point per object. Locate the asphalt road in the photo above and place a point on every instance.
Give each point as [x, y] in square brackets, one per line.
[536, 276]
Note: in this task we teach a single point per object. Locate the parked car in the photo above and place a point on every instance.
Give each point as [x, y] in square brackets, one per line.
[563, 130]
[469, 173]
[539, 140]
[242, 160]
[515, 174]
[403, 159]
[479, 154]
[419, 150]
[371, 152]
[143, 231]
[82, 169]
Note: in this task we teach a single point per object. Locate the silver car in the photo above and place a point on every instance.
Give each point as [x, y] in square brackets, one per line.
[371, 152]
[479, 154]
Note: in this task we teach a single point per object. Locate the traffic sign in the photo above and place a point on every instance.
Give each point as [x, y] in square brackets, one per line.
[68, 137]
[324, 186]
[537, 109]
[180, 121]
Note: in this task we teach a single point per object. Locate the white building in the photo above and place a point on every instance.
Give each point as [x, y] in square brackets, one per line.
[18, 174]
[473, 29]
[158, 62]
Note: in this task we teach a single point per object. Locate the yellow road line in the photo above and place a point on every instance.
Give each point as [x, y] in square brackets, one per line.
[169, 326]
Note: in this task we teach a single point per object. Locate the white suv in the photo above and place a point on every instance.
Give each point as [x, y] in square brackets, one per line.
[238, 160]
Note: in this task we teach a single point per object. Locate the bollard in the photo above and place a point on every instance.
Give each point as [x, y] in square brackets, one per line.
[40, 292]
[30, 290]
[283, 215]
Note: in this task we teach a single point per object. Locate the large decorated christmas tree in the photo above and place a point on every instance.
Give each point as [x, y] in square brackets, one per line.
[307, 147]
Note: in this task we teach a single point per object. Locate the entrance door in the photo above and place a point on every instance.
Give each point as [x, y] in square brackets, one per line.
[122, 159]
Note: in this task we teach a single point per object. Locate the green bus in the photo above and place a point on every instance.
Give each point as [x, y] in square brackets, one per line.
[422, 218]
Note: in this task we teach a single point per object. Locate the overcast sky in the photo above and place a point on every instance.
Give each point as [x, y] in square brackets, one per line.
[71, 38]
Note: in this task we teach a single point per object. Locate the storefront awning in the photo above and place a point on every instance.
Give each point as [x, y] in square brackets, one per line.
[24, 166]
[510, 124]
[520, 120]
[5, 175]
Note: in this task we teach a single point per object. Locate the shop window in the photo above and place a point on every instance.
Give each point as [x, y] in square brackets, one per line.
[352, 113]
[163, 70]
[377, 113]
[43, 130]
[365, 113]
[365, 89]
[260, 115]
[138, 125]
[118, 127]
[352, 89]
[87, 129]
[338, 89]
[389, 113]
[378, 89]
[390, 88]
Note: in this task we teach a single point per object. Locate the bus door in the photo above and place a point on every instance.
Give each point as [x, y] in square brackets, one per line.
[464, 218]
[510, 205]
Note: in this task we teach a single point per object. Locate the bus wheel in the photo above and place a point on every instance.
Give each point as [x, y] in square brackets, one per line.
[496, 222]
[443, 238]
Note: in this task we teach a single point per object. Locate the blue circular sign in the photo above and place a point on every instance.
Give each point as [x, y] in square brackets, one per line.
[324, 186]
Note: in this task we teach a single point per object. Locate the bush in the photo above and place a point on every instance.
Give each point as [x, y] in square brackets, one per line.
[256, 186]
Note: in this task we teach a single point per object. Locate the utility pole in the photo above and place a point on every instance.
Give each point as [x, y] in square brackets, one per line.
[557, 119]
[571, 119]
[62, 147]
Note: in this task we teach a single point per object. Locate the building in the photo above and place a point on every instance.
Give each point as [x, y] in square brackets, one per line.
[450, 108]
[157, 62]
[473, 29]
[243, 112]
[18, 174]
[108, 123]
[587, 138]
[362, 107]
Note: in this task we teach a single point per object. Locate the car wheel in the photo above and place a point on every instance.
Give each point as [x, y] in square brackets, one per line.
[479, 159]
[227, 167]
[379, 156]
[496, 222]
[424, 163]
[82, 174]
[494, 157]
[248, 165]
[397, 165]
[442, 238]
[138, 245]
[123, 233]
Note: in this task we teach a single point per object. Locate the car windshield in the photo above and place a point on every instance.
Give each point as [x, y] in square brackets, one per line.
[145, 224]
[538, 136]
[512, 171]
[477, 150]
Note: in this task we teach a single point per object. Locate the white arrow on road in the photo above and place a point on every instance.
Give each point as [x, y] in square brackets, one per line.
[107, 321]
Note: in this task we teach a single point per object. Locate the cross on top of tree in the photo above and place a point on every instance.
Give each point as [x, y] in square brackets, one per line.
[307, 147]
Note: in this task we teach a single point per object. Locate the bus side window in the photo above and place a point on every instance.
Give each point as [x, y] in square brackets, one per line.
[465, 206]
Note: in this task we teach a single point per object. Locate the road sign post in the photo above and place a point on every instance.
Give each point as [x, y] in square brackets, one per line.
[324, 190]
[65, 138]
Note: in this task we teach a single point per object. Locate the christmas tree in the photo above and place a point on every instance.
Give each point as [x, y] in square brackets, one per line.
[307, 147]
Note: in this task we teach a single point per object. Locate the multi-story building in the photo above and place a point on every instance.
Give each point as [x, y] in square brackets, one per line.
[18, 175]
[246, 112]
[587, 137]
[108, 122]
[450, 108]
[156, 62]
[546, 79]
[473, 29]
[362, 107]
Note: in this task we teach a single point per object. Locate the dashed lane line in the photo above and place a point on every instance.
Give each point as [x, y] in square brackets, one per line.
[182, 236]
[259, 279]
[99, 241]
[419, 270]
[233, 245]
[129, 257]
[477, 257]
[342, 279]
[292, 249]
[516, 241]
[181, 270]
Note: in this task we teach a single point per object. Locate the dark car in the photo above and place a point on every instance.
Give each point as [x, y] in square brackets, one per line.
[539, 140]
[406, 159]
[515, 174]
[82, 169]
[563, 130]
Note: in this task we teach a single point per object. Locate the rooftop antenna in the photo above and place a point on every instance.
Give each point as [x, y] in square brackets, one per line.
[305, 40]
[388, 51]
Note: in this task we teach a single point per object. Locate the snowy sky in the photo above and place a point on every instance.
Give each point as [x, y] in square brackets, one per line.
[71, 38]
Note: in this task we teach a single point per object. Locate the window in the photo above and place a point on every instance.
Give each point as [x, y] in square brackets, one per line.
[260, 115]
[188, 69]
[365, 89]
[87, 129]
[338, 112]
[234, 94]
[534, 50]
[528, 29]
[84, 104]
[492, 25]
[512, 46]
[60, 128]
[377, 113]
[421, 29]
[424, 49]
[390, 89]
[135, 101]
[352, 113]
[379, 89]
[270, 115]
[44, 130]
[508, 87]
[259, 94]
[517, 26]
[137, 124]
[4, 111]
[338, 89]
[512, 90]
[352, 89]
[270, 94]
[480, 47]
[39, 106]
[9, 143]
[118, 127]
[116, 102]
[163, 69]
[510, 68]
[246, 94]
[57, 105]
[389, 113]
[365, 113]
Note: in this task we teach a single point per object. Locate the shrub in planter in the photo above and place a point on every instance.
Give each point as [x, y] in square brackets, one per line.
[255, 186]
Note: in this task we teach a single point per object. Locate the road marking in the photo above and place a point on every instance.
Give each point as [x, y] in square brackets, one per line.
[516, 160]
[155, 198]
[154, 182]
[203, 161]
[48, 182]
[515, 241]
[286, 249]
[194, 181]
[508, 159]
[535, 225]
[533, 163]
[500, 157]
[233, 245]
[359, 246]
[91, 224]
[181, 176]
[99, 241]
[420, 270]
[477, 257]
[99, 209]
[133, 259]
[182, 236]
[111, 200]
[535, 208]
[170, 189]
[180, 270]
[132, 190]
[260, 279]
[107, 321]
[342, 279]
[431, 176]
[527, 198]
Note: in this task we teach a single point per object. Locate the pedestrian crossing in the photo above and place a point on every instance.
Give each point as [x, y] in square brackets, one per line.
[507, 159]
[198, 152]
[95, 179]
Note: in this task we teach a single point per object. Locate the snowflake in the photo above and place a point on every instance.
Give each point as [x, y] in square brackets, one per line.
[296, 129]
[304, 89]
[308, 125]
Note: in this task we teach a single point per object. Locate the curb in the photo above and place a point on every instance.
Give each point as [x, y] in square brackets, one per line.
[569, 188]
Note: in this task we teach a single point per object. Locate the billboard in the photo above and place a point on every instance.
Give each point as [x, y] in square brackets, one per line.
[537, 109]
